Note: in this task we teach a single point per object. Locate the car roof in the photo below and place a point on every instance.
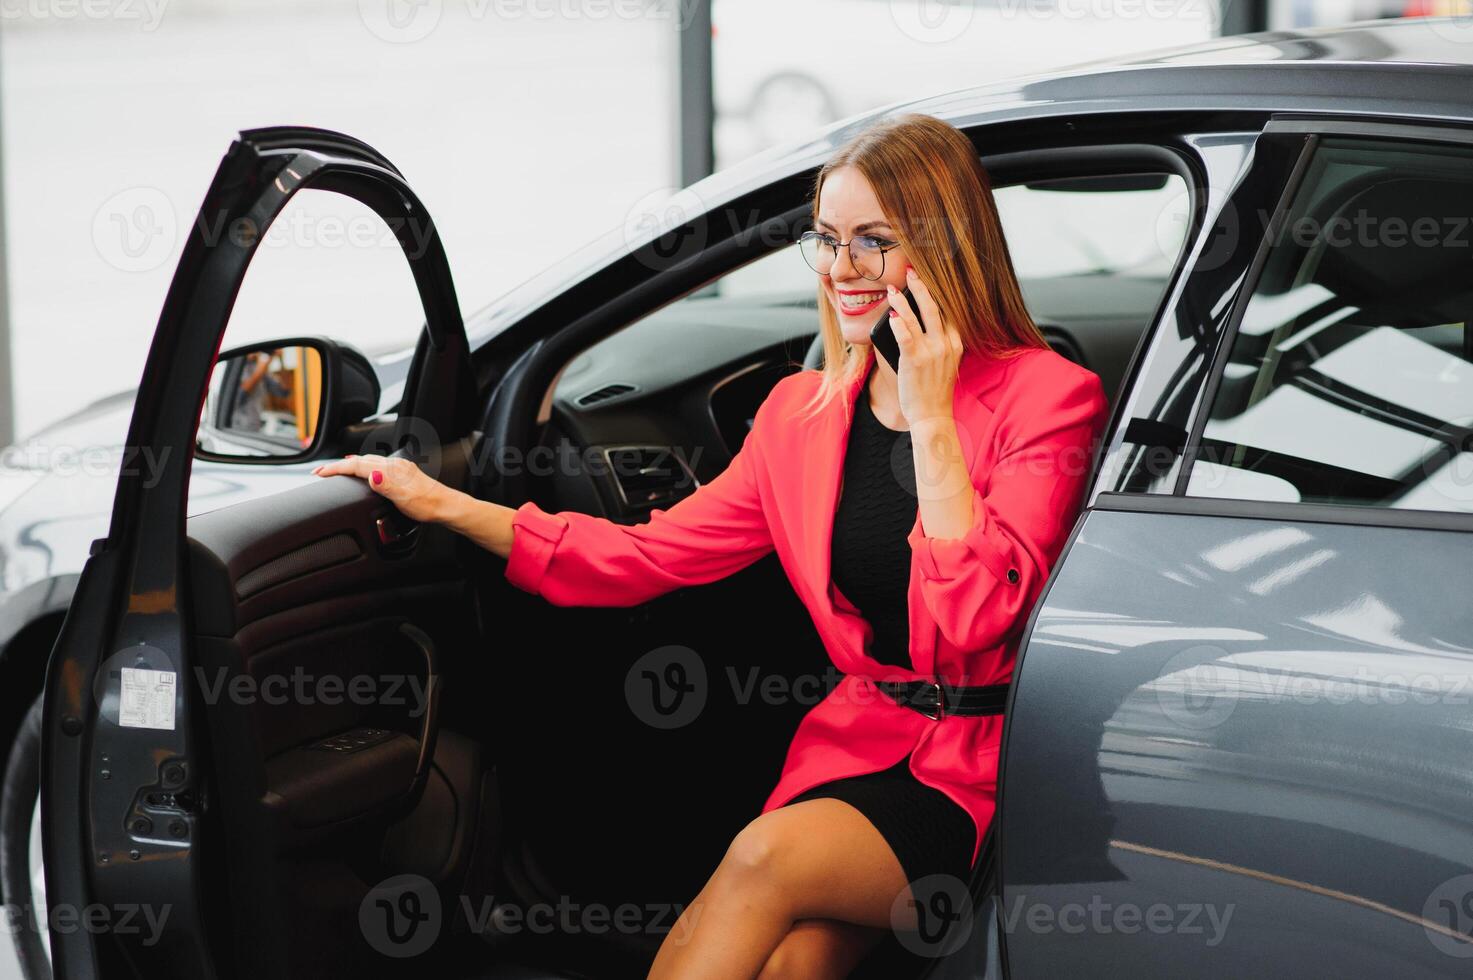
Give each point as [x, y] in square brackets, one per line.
[1404, 40]
[1409, 68]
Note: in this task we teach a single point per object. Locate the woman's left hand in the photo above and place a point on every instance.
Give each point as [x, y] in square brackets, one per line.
[928, 358]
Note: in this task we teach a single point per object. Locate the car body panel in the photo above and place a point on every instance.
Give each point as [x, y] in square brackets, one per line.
[1268, 721]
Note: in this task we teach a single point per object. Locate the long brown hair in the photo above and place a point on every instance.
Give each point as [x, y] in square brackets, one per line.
[935, 193]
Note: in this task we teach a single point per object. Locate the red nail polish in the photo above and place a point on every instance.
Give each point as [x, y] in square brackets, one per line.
[378, 477]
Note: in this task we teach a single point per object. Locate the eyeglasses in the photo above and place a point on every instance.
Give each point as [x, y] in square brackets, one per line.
[866, 253]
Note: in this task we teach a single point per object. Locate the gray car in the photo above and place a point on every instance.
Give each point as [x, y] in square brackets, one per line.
[1239, 740]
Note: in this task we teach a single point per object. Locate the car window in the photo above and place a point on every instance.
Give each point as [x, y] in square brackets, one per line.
[329, 266]
[1094, 254]
[1095, 225]
[1350, 377]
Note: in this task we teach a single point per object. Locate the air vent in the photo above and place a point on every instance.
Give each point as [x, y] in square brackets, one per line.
[604, 394]
[649, 476]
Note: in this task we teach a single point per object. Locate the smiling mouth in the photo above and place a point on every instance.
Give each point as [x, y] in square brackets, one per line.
[856, 303]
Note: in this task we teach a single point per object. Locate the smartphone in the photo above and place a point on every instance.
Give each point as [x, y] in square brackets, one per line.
[882, 335]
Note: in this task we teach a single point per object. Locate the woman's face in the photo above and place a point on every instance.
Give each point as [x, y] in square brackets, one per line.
[847, 209]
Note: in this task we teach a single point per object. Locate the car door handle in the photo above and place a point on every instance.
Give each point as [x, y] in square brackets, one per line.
[430, 724]
[396, 533]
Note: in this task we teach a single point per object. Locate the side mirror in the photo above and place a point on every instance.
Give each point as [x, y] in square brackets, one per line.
[280, 401]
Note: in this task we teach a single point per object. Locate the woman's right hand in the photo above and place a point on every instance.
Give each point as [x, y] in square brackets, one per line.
[416, 494]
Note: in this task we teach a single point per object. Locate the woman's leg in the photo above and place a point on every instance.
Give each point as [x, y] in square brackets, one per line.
[820, 949]
[818, 859]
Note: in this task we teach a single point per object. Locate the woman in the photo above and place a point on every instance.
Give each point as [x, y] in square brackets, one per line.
[963, 472]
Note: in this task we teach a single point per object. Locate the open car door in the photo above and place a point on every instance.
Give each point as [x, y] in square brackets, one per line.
[135, 822]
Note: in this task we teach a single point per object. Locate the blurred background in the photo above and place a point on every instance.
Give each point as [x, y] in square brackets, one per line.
[528, 127]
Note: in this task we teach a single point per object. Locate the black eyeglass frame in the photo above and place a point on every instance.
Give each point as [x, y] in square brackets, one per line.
[811, 235]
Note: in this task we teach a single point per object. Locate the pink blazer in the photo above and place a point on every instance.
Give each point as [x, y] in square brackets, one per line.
[1028, 428]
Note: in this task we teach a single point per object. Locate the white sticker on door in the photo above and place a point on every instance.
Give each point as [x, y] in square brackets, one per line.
[147, 699]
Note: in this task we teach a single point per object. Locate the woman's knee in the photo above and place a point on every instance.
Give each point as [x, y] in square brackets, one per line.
[760, 848]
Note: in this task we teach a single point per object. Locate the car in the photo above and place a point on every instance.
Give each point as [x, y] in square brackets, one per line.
[1238, 735]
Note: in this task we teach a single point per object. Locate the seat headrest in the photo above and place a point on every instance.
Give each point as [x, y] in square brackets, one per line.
[1395, 252]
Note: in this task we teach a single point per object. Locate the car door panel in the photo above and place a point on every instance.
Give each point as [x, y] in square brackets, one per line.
[1239, 735]
[125, 804]
[1266, 733]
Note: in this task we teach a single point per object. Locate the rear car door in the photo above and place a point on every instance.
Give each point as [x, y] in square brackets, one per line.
[176, 790]
[1240, 737]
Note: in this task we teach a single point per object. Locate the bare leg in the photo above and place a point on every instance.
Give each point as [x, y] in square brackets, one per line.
[819, 859]
[820, 949]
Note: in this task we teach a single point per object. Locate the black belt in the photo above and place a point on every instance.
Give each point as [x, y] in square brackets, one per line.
[935, 700]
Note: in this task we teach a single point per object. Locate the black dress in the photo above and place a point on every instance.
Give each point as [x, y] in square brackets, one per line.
[928, 831]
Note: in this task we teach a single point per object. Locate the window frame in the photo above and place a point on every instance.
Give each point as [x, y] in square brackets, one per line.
[1177, 501]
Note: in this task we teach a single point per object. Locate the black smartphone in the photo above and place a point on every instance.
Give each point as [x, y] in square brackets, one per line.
[882, 335]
